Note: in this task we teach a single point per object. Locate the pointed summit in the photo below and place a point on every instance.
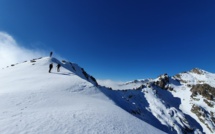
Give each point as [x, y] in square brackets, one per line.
[197, 71]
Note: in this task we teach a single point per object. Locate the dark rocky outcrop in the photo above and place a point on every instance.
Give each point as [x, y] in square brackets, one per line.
[205, 90]
[208, 103]
[141, 87]
[198, 111]
[94, 80]
[33, 60]
[197, 71]
[163, 82]
[178, 78]
[85, 73]
[202, 115]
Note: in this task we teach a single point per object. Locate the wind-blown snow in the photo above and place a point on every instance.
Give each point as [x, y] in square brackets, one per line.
[12, 52]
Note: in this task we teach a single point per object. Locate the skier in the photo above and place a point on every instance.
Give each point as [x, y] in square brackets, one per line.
[58, 67]
[50, 67]
[51, 54]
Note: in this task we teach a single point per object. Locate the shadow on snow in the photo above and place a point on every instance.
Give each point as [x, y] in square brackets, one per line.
[134, 102]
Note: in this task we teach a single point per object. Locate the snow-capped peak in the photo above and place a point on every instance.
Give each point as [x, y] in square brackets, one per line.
[197, 71]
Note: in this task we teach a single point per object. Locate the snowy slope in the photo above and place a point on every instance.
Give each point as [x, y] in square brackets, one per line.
[188, 103]
[184, 103]
[34, 101]
[155, 106]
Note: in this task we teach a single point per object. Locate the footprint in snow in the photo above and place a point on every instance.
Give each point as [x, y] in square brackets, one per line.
[18, 104]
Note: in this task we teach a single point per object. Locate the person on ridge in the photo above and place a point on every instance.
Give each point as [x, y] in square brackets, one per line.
[50, 67]
[51, 54]
[58, 67]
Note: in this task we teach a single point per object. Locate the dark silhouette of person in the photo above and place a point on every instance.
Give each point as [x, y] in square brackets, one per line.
[50, 67]
[51, 54]
[58, 67]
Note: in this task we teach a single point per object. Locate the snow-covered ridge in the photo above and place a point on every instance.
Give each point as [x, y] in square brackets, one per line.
[73, 67]
[35, 101]
[196, 76]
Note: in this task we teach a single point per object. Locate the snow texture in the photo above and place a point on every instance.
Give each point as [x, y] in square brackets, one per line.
[67, 102]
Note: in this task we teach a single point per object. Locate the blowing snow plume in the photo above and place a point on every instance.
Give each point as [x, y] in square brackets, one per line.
[11, 52]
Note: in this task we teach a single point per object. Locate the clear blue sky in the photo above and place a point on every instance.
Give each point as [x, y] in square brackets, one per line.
[118, 39]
